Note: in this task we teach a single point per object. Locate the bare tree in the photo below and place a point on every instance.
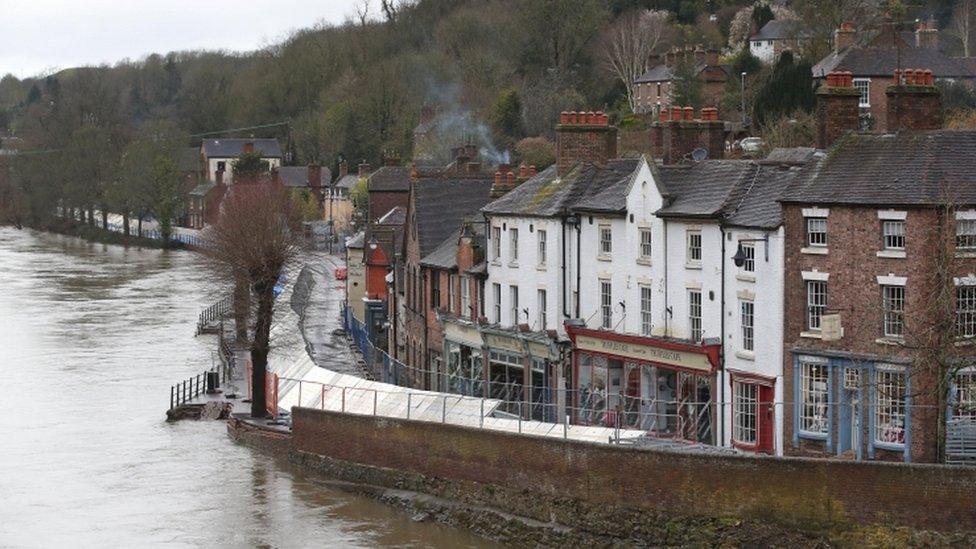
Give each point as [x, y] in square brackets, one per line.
[629, 44]
[964, 24]
[362, 12]
[256, 237]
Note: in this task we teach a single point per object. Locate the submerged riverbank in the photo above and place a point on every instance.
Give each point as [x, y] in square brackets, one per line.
[97, 234]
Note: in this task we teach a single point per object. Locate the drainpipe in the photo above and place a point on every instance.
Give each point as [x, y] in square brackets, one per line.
[667, 315]
[721, 354]
[562, 251]
[578, 264]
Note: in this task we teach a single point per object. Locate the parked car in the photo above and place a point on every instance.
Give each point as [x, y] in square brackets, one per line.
[341, 273]
[751, 145]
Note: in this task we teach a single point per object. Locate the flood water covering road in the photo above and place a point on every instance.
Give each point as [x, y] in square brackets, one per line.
[92, 337]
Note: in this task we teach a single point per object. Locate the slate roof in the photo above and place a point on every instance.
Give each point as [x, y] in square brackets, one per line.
[441, 204]
[777, 29]
[547, 195]
[356, 241]
[663, 73]
[396, 216]
[347, 182]
[297, 176]
[705, 188]
[444, 255]
[234, 147]
[903, 169]
[883, 61]
[390, 178]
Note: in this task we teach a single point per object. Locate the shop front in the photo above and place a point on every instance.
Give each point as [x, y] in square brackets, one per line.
[524, 370]
[660, 386]
[464, 359]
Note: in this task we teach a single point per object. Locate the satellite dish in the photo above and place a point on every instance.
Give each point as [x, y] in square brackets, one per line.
[699, 154]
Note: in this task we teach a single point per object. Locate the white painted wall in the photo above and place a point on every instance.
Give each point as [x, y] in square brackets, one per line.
[763, 49]
[684, 275]
[229, 165]
[766, 287]
[528, 273]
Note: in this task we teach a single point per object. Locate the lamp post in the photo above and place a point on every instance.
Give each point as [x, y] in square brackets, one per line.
[740, 255]
[742, 96]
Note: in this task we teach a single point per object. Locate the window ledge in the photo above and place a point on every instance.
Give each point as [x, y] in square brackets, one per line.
[893, 254]
[603, 257]
[814, 250]
[513, 264]
[965, 341]
[812, 436]
[540, 267]
[696, 266]
[893, 446]
[890, 340]
[496, 262]
[811, 335]
[745, 277]
[966, 254]
[746, 355]
[644, 261]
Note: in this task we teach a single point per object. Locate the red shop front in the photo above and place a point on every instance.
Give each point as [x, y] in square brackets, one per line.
[661, 386]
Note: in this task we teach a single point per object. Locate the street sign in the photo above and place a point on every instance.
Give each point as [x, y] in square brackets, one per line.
[831, 328]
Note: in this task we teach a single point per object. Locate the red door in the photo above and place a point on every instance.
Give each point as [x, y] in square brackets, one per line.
[766, 420]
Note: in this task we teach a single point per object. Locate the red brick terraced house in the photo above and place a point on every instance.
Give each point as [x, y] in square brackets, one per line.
[880, 283]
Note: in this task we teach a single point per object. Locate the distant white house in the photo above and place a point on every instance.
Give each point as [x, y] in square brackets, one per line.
[774, 38]
[219, 155]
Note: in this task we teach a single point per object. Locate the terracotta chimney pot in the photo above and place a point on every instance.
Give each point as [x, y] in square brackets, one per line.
[689, 113]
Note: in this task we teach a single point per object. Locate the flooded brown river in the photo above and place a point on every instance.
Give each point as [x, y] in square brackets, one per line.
[91, 337]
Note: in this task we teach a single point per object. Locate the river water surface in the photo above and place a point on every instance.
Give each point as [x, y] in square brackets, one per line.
[91, 337]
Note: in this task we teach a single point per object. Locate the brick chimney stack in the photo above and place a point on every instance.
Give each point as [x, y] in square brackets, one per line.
[343, 169]
[926, 35]
[838, 110]
[363, 169]
[914, 103]
[248, 147]
[584, 137]
[678, 133]
[314, 176]
[844, 37]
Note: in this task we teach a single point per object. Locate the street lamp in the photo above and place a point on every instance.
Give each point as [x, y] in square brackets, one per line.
[742, 96]
[373, 243]
[740, 255]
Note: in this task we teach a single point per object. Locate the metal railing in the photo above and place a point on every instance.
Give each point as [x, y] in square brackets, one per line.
[207, 381]
[214, 313]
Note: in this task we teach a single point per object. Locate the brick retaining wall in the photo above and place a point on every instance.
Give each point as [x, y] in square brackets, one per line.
[546, 477]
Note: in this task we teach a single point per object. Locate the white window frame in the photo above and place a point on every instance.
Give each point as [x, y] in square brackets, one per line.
[644, 242]
[964, 405]
[606, 304]
[747, 324]
[814, 383]
[451, 292]
[693, 246]
[745, 413]
[542, 244]
[966, 235]
[646, 313]
[496, 243]
[863, 85]
[695, 331]
[890, 389]
[749, 263]
[893, 310]
[513, 238]
[513, 299]
[542, 304]
[465, 283]
[817, 226]
[893, 234]
[496, 290]
[966, 310]
[816, 303]
[605, 235]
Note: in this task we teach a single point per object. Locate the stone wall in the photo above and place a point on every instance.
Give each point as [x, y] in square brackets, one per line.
[600, 488]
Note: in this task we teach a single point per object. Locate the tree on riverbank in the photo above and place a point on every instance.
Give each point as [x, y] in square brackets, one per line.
[256, 237]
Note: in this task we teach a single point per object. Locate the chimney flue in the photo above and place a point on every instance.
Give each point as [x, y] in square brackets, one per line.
[584, 137]
[914, 102]
[248, 147]
[838, 110]
[844, 37]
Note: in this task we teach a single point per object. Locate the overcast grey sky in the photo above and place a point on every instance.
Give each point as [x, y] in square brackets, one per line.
[39, 35]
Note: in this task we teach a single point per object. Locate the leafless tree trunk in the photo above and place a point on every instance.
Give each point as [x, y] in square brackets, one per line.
[256, 237]
[964, 23]
[629, 44]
